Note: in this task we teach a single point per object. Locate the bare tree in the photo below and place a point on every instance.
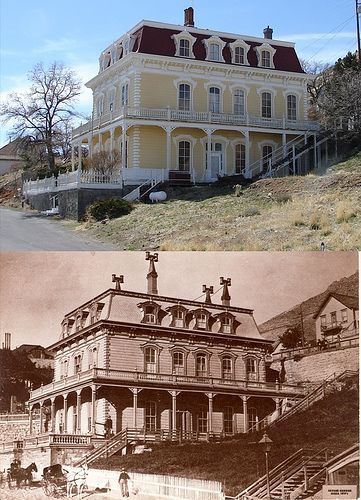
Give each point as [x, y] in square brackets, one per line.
[105, 162]
[44, 109]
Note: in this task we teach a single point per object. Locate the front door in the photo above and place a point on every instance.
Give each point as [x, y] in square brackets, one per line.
[184, 424]
[216, 165]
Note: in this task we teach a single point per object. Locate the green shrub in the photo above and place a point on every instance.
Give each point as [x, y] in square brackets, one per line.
[282, 198]
[250, 212]
[111, 208]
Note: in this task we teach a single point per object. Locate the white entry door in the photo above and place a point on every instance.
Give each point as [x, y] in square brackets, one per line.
[216, 163]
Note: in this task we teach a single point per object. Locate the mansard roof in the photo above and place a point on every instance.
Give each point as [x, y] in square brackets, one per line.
[156, 39]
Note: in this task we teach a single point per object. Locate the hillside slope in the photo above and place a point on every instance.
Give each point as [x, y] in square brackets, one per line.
[332, 423]
[291, 213]
[277, 325]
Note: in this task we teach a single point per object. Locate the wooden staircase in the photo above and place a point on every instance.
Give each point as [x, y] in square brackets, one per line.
[300, 475]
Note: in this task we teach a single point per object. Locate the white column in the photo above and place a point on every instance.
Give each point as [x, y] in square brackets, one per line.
[124, 142]
[246, 135]
[30, 419]
[65, 430]
[41, 417]
[78, 411]
[169, 156]
[93, 409]
[278, 406]
[284, 142]
[79, 156]
[245, 413]
[209, 151]
[111, 142]
[52, 414]
[72, 158]
[135, 392]
[210, 412]
[90, 144]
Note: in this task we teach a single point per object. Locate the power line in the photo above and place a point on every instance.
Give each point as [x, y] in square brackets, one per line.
[331, 38]
[336, 30]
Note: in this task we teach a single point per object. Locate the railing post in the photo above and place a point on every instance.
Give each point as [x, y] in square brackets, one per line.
[306, 478]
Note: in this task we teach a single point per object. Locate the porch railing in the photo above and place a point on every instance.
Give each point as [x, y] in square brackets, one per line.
[176, 115]
[99, 374]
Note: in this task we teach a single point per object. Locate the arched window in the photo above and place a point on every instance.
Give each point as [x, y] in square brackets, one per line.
[178, 318]
[239, 55]
[150, 360]
[228, 418]
[149, 314]
[93, 357]
[99, 107]
[184, 156]
[266, 105]
[214, 52]
[267, 152]
[184, 47]
[214, 100]
[291, 107]
[184, 97]
[150, 416]
[227, 368]
[240, 158]
[201, 321]
[226, 324]
[239, 102]
[124, 95]
[201, 365]
[266, 58]
[77, 364]
[251, 369]
[178, 363]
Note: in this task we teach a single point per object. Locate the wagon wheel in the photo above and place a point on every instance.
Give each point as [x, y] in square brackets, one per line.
[2, 480]
[49, 489]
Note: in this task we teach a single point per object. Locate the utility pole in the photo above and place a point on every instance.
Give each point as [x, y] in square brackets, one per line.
[358, 12]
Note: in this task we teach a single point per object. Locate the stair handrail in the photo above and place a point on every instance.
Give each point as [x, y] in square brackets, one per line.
[98, 451]
[310, 481]
[153, 184]
[257, 483]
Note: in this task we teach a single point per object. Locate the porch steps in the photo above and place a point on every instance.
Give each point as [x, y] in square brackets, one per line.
[111, 446]
[294, 406]
[179, 178]
[299, 476]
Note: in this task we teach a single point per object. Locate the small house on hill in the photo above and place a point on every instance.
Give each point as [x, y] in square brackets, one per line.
[37, 354]
[9, 157]
[337, 317]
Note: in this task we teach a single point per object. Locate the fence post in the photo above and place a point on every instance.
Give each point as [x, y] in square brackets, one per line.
[306, 479]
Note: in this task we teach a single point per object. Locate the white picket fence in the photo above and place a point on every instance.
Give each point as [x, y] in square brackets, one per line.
[153, 487]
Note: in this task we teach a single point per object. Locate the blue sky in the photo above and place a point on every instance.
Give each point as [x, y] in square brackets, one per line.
[75, 32]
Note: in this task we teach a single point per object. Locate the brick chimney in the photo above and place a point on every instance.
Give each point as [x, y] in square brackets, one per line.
[152, 273]
[268, 32]
[189, 17]
[208, 290]
[226, 298]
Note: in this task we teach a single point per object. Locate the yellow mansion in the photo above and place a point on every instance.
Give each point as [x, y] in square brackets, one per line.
[182, 102]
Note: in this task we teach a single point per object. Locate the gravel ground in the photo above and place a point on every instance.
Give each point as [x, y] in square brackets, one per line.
[37, 493]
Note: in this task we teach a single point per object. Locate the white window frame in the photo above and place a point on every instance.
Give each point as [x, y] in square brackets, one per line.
[182, 100]
[270, 49]
[188, 138]
[207, 42]
[184, 35]
[234, 95]
[124, 94]
[239, 44]
[242, 158]
[344, 315]
[212, 102]
[99, 105]
[266, 106]
[292, 111]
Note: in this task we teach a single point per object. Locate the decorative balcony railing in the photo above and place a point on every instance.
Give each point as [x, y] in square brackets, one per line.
[159, 380]
[182, 116]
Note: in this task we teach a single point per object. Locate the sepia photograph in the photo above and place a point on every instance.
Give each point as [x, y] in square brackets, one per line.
[199, 375]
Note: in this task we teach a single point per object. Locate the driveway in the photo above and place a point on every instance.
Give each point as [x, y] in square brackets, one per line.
[25, 231]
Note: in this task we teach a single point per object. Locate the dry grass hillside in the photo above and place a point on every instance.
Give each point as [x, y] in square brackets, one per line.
[292, 213]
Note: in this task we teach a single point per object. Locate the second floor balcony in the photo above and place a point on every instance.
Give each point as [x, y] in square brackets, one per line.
[165, 381]
[201, 117]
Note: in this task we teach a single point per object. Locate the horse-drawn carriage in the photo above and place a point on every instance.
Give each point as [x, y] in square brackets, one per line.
[54, 481]
[58, 482]
[20, 475]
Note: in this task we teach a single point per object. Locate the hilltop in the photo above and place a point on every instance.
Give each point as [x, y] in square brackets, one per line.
[289, 213]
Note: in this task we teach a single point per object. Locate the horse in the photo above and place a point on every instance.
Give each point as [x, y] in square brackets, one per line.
[25, 474]
[76, 478]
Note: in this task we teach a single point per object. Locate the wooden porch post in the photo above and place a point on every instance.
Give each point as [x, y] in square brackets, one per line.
[52, 414]
[135, 392]
[210, 412]
[93, 409]
[31, 419]
[41, 417]
[65, 413]
[245, 413]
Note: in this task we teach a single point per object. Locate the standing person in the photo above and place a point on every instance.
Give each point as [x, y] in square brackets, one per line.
[123, 482]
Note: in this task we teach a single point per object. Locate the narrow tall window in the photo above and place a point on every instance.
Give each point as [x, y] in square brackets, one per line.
[266, 59]
[77, 363]
[184, 156]
[239, 55]
[291, 107]
[150, 360]
[344, 316]
[149, 314]
[228, 417]
[201, 321]
[125, 95]
[184, 97]
[214, 100]
[201, 365]
[266, 105]
[227, 371]
[323, 320]
[251, 369]
[150, 416]
[178, 363]
[184, 48]
[239, 102]
[240, 158]
[178, 318]
[202, 419]
[334, 318]
[214, 52]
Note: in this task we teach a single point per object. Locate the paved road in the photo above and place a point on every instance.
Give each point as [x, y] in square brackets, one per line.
[24, 231]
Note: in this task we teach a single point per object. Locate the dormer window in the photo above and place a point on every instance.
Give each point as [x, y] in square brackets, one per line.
[126, 47]
[226, 325]
[152, 313]
[184, 42]
[239, 50]
[265, 54]
[184, 48]
[214, 48]
[266, 59]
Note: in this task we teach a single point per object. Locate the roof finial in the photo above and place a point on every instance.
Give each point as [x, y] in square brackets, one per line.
[152, 273]
[208, 291]
[226, 298]
[117, 280]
